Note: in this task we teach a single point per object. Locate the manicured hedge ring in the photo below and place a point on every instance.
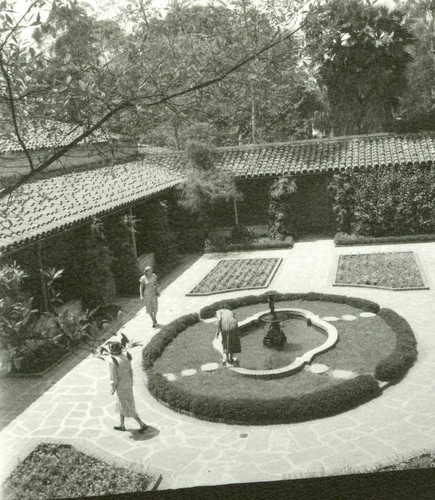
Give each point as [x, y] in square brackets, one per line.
[250, 410]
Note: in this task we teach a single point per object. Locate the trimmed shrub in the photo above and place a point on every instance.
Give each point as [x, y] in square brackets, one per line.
[323, 403]
[366, 305]
[125, 268]
[221, 244]
[394, 367]
[343, 239]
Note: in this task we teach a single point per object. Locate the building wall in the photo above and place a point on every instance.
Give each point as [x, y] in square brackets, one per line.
[16, 163]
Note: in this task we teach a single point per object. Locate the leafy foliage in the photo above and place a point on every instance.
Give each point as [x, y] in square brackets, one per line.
[118, 232]
[384, 202]
[360, 52]
[282, 221]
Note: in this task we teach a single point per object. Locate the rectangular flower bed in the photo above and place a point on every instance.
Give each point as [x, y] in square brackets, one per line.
[237, 274]
[389, 270]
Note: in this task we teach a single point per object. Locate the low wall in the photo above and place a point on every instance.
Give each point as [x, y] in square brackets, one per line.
[259, 230]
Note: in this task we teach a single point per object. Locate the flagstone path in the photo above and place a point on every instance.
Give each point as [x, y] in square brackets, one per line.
[77, 406]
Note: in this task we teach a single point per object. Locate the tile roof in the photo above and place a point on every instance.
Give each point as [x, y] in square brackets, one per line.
[51, 135]
[44, 207]
[328, 155]
[57, 203]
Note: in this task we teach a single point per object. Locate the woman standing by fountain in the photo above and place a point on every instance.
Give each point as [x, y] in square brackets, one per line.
[228, 328]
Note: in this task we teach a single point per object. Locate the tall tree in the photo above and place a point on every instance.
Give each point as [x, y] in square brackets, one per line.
[150, 69]
[360, 52]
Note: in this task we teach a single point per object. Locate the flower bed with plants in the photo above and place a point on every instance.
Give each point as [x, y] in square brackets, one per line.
[222, 395]
[343, 239]
[61, 471]
[390, 270]
[32, 342]
[237, 274]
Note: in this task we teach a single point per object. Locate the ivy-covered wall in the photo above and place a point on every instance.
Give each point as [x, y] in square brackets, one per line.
[385, 202]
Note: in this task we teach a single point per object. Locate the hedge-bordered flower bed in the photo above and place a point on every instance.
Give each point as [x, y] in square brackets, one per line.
[325, 402]
[343, 239]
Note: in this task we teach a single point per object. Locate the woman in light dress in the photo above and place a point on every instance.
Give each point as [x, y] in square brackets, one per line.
[149, 291]
[121, 376]
[228, 328]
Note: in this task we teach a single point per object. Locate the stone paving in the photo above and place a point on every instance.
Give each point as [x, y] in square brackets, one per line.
[78, 408]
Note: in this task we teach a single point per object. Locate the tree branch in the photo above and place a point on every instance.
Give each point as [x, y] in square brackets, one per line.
[124, 104]
[11, 104]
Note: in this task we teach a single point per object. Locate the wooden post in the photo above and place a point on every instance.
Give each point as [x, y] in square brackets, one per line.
[236, 213]
[43, 282]
[133, 237]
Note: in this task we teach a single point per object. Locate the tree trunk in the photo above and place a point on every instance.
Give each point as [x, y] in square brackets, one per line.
[253, 117]
[43, 282]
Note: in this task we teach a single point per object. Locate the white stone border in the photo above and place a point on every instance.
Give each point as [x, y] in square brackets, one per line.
[300, 361]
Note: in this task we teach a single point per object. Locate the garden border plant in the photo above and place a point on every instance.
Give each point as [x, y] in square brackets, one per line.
[344, 239]
[323, 403]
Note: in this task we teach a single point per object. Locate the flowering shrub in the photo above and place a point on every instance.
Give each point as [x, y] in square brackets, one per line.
[61, 471]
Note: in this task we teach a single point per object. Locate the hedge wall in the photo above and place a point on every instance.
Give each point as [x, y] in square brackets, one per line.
[343, 239]
[394, 367]
[387, 201]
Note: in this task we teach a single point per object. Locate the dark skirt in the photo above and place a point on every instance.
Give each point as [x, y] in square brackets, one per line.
[231, 341]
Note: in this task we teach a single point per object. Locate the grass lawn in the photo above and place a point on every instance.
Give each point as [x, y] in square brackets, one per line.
[237, 274]
[384, 270]
[423, 461]
[357, 350]
[61, 471]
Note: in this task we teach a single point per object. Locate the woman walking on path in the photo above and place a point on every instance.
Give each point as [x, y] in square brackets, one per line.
[149, 290]
[121, 375]
[228, 328]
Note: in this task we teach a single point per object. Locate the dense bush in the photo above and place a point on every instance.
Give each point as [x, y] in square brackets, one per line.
[366, 305]
[93, 267]
[154, 234]
[61, 471]
[125, 268]
[323, 403]
[395, 366]
[282, 207]
[385, 202]
[343, 239]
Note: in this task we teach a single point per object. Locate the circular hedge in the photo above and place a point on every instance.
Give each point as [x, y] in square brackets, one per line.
[322, 403]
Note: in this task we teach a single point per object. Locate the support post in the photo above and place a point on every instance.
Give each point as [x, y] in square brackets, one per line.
[236, 213]
[133, 236]
[43, 282]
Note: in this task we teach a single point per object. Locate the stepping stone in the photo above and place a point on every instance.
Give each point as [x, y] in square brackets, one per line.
[367, 315]
[209, 367]
[348, 317]
[170, 376]
[343, 374]
[330, 318]
[318, 368]
[188, 372]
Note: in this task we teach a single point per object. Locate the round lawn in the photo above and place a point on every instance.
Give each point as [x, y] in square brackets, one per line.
[222, 394]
